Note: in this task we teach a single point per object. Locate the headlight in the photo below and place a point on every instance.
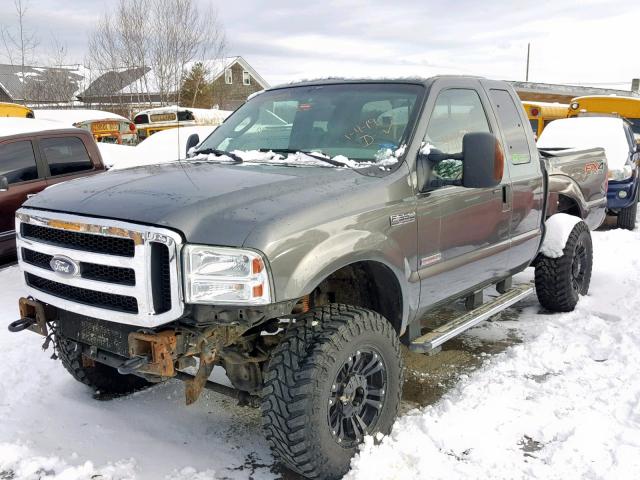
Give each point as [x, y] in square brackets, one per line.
[620, 174]
[217, 275]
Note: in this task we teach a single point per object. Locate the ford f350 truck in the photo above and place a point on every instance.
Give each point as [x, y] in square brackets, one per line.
[306, 238]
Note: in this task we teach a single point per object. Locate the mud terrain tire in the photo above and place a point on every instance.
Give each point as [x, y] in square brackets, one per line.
[560, 281]
[337, 363]
[102, 378]
[627, 216]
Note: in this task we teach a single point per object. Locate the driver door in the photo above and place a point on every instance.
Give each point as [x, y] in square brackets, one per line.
[473, 244]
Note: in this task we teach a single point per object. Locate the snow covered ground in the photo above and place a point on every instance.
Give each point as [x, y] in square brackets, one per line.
[562, 400]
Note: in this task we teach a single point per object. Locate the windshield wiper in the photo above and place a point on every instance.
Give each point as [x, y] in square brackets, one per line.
[220, 153]
[328, 160]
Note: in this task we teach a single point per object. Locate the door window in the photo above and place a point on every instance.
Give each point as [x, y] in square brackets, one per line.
[514, 133]
[65, 155]
[456, 113]
[18, 162]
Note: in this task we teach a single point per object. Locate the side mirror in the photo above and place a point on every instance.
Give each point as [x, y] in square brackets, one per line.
[4, 184]
[192, 141]
[482, 160]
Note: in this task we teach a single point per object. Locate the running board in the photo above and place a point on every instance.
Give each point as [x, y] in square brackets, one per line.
[437, 337]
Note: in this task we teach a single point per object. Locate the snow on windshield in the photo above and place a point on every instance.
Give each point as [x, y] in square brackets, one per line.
[589, 132]
[384, 158]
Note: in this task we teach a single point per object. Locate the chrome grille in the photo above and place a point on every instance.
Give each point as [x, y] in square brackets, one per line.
[121, 272]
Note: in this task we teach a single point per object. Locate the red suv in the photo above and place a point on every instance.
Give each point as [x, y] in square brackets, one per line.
[35, 154]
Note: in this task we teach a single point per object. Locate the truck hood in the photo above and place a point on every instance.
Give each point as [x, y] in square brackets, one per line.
[207, 202]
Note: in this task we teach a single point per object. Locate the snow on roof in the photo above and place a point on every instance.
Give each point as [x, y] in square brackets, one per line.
[200, 114]
[589, 132]
[15, 125]
[72, 116]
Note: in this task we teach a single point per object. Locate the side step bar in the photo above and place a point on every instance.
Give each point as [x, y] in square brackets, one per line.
[437, 337]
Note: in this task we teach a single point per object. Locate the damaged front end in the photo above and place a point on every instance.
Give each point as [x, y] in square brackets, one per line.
[174, 350]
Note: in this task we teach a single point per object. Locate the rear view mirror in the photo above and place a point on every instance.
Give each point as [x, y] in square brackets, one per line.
[483, 160]
[4, 184]
[192, 141]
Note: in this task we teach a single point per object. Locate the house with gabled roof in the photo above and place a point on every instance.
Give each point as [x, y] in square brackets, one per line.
[233, 81]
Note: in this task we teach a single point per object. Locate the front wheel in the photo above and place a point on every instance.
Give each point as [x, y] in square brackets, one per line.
[627, 216]
[560, 281]
[323, 397]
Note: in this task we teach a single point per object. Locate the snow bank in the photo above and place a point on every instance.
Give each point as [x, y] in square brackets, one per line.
[564, 404]
[589, 132]
[161, 147]
[558, 229]
[17, 126]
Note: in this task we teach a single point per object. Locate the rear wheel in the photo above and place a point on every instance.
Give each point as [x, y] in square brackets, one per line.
[325, 390]
[103, 379]
[560, 281]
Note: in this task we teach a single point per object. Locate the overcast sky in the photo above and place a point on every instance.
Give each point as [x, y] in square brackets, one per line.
[583, 42]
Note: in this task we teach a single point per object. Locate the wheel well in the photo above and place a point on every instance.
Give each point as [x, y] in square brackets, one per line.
[568, 205]
[366, 284]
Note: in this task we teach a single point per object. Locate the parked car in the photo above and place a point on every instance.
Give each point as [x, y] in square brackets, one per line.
[623, 153]
[35, 154]
[297, 253]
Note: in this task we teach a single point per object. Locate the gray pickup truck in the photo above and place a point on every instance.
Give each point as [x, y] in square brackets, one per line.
[303, 241]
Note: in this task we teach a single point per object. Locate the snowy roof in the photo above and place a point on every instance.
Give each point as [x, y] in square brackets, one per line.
[568, 90]
[589, 132]
[11, 80]
[115, 81]
[15, 126]
[199, 113]
[72, 116]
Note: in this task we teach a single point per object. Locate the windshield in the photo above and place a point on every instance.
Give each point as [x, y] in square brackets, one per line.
[365, 123]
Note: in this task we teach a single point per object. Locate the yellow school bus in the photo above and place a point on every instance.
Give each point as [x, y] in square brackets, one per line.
[15, 110]
[541, 113]
[157, 119]
[626, 107]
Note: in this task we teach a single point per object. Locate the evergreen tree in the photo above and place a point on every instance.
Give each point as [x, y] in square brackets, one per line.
[196, 91]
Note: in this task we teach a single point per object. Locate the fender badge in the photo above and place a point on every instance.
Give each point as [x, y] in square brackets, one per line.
[402, 218]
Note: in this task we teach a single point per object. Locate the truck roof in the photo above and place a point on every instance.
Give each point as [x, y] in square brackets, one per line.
[406, 80]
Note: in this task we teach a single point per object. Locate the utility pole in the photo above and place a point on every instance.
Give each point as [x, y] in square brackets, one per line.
[528, 53]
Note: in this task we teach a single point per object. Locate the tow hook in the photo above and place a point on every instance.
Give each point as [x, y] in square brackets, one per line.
[21, 324]
[133, 365]
[32, 317]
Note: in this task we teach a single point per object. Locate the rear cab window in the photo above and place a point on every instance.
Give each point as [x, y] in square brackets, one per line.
[18, 161]
[65, 155]
[515, 136]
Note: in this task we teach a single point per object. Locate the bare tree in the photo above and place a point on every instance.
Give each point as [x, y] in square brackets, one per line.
[160, 37]
[18, 42]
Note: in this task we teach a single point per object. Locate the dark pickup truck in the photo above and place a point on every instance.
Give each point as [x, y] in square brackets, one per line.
[304, 240]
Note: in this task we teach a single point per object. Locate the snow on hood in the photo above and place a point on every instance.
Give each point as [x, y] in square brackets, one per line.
[589, 132]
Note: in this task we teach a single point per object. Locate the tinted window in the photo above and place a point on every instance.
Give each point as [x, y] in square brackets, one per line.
[17, 161]
[65, 155]
[456, 113]
[512, 127]
[534, 124]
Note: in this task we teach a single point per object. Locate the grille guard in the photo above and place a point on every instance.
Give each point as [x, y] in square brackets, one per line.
[143, 237]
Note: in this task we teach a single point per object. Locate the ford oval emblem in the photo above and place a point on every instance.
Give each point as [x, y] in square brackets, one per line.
[64, 266]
